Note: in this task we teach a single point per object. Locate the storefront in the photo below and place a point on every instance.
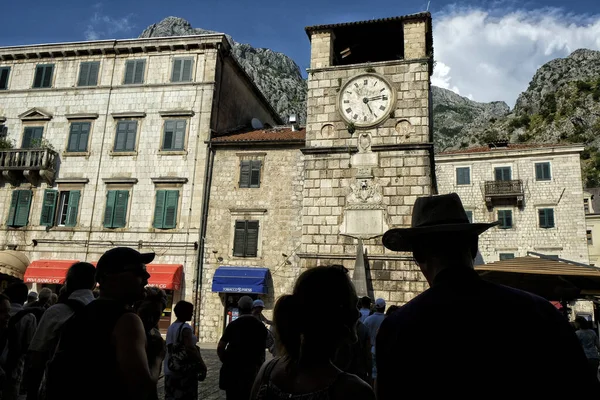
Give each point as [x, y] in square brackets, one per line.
[234, 282]
[52, 273]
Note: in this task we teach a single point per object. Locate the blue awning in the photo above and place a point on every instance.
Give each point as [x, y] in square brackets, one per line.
[241, 280]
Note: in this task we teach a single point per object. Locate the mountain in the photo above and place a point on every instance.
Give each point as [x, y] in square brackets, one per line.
[276, 75]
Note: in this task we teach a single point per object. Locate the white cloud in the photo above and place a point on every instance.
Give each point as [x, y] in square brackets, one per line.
[102, 26]
[493, 54]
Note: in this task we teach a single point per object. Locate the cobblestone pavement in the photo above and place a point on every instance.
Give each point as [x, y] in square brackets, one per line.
[209, 389]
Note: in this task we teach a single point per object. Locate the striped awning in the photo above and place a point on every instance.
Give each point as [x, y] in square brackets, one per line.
[552, 279]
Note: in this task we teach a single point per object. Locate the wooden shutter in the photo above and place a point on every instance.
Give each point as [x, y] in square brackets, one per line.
[73, 208]
[83, 136]
[251, 238]
[111, 196]
[120, 214]
[179, 136]
[74, 137]
[159, 209]
[39, 76]
[84, 72]
[508, 218]
[130, 140]
[12, 211]
[168, 135]
[539, 173]
[48, 207]
[171, 199]
[4, 72]
[239, 239]
[550, 217]
[23, 205]
[186, 73]
[255, 173]
[245, 168]
[176, 73]
[121, 136]
[47, 82]
[27, 137]
[93, 73]
[129, 72]
[140, 65]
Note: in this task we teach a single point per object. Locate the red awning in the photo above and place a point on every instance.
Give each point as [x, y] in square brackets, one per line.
[47, 271]
[165, 276]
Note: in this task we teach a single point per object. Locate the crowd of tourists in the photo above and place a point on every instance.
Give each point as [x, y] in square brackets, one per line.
[463, 337]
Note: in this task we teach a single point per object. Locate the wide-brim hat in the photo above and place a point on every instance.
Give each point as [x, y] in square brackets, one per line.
[434, 215]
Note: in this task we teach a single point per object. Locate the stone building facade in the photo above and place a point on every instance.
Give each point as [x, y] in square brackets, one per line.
[591, 207]
[110, 145]
[534, 190]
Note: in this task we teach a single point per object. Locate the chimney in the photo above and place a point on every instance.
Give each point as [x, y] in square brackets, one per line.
[292, 121]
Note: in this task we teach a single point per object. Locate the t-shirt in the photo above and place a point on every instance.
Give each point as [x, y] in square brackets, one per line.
[172, 337]
[373, 322]
[246, 339]
[588, 340]
[364, 313]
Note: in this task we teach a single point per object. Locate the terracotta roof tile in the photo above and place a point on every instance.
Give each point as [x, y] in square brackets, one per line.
[511, 146]
[422, 15]
[264, 135]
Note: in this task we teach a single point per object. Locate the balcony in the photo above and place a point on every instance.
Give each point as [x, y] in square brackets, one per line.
[31, 164]
[504, 193]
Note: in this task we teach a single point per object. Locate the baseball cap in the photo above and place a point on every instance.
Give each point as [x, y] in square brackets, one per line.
[245, 303]
[123, 259]
[380, 303]
[258, 303]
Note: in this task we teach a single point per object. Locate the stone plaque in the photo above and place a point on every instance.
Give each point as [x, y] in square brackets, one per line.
[364, 223]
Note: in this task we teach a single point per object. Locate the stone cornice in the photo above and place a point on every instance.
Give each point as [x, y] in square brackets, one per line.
[82, 116]
[169, 179]
[82, 181]
[128, 114]
[119, 180]
[328, 150]
[508, 154]
[176, 113]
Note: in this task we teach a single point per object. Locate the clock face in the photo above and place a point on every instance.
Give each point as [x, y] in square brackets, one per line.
[366, 100]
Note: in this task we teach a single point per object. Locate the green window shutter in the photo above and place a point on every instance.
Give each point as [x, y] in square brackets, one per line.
[84, 72]
[131, 131]
[171, 199]
[111, 197]
[179, 136]
[27, 137]
[251, 238]
[121, 136]
[74, 135]
[48, 207]
[176, 73]
[39, 76]
[159, 209]
[93, 73]
[12, 211]
[245, 168]
[129, 72]
[186, 73]
[4, 73]
[138, 77]
[168, 135]
[120, 214]
[48, 70]
[239, 239]
[23, 205]
[463, 176]
[539, 174]
[73, 207]
[255, 173]
[550, 217]
[83, 136]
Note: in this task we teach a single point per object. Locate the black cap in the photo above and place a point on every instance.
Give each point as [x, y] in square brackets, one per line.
[123, 259]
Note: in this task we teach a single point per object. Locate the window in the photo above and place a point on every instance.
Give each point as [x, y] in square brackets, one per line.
[115, 214]
[125, 137]
[182, 70]
[589, 237]
[32, 137]
[78, 136]
[586, 206]
[542, 171]
[502, 173]
[470, 216]
[463, 176]
[134, 72]
[43, 76]
[68, 207]
[165, 209]
[18, 212]
[88, 73]
[245, 240]
[505, 218]
[174, 134]
[506, 256]
[4, 73]
[250, 173]
[546, 217]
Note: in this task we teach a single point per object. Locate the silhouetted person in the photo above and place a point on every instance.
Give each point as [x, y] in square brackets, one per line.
[465, 337]
[43, 299]
[242, 352]
[589, 342]
[373, 322]
[391, 310]
[31, 297]
[4, 318]
[257, 308]
[79, 282]
[102, 351]
[309, 339]
[365, 308]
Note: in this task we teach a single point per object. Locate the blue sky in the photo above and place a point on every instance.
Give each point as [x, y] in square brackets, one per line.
[502, 41]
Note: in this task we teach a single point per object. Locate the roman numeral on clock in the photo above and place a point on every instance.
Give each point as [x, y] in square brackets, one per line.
[382, 108]
[348, 110]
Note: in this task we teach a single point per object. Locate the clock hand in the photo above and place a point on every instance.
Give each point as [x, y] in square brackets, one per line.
[369, 108]
[374, 97]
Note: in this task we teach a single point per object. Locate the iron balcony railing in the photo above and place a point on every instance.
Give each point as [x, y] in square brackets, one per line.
[504, 188]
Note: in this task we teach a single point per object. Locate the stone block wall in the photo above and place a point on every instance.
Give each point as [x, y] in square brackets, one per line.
[321, 49]
[276, 204]
[563, 193]
[415, 40]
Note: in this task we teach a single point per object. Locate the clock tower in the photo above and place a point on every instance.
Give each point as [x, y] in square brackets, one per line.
[369, 148]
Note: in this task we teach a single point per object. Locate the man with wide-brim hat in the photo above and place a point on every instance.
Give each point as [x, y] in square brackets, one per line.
[465, 336]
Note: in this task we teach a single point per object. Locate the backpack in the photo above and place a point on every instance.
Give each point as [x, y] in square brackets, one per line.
[10, 339]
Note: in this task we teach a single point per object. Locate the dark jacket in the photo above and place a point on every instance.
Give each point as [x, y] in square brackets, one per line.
[468, 337]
